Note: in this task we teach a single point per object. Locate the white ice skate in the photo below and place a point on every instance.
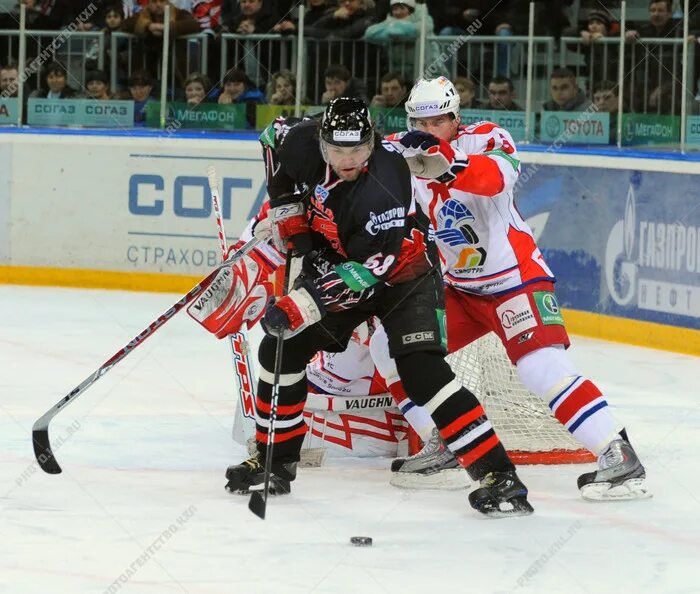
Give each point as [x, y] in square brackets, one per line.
[620, 475]
[434, 467]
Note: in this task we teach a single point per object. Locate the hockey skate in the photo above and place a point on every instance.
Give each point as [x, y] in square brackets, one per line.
[620, 475]
[251, 473]
[434, 467]
[501, 495]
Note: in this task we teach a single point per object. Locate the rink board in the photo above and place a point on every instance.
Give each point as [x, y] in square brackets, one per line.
[132, 210]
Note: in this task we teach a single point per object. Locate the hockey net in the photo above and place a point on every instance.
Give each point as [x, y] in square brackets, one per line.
[522, 420]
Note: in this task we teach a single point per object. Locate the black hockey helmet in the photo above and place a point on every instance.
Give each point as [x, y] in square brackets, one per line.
[346, 122]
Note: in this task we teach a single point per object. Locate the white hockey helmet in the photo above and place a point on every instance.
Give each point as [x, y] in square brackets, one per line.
[431, 97]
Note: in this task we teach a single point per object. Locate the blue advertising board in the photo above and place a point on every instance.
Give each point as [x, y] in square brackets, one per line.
[619, 242]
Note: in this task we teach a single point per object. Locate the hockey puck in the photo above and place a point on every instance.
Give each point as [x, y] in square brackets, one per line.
[361, 541]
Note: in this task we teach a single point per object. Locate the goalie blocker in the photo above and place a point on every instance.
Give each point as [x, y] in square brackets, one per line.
[236, 296]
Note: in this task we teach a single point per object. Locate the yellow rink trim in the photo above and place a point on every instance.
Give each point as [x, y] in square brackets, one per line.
[637, 332]
[582, 323]
[98, 279]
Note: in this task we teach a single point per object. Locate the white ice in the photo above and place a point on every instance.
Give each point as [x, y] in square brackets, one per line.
[153, 440]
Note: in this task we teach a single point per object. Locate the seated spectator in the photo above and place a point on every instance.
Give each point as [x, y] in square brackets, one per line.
[598, 26]
[238, 88]
[282, 88]
[502, 94]
[348, 21]
[97, 85]
[397, 26]
[661, 23]
[601, 60]
[55, 83]
[9, 80]
[148, 24]
[606, 96]
[393, 92]
[113, 20]
[565, 92]
[467, 93]
[339, 83]
[140, 88]
[197, 87]
[315, 9]
[254, 17]
[655, 66]
[399, 31]
[606, 99]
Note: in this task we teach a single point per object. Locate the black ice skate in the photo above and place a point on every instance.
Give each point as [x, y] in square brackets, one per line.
[501, 495]
[620, 475]
[251, 473]
[434, 467]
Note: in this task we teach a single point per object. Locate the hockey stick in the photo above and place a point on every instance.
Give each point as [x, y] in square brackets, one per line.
[237, 341]
[40, 431]
[258, 502]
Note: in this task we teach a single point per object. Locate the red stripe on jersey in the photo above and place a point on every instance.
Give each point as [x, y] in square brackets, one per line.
[586, 393]
[397, 391]
[525, 248]
[377, 384]
[472, 456]
[441, 193]
[484, 128]
[265, 407]
[461, 422]
[482, 177]
[261, 436]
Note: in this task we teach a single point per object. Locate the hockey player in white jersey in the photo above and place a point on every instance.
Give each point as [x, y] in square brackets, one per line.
[497, 280]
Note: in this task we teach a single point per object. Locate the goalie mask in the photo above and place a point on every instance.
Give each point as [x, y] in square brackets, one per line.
[346, 128]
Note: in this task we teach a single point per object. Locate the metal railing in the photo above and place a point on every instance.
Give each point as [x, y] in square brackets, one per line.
[656, 75]
[259, 56]
[78, 52]
[483, 57]
[129, 53]
[653, 69]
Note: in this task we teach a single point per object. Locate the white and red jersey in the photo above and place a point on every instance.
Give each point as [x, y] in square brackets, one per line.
[351, 373]
[485, 245]
[348, 409]
[266, 251]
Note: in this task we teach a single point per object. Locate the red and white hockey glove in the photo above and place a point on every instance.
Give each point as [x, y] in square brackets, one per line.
[432, 157]
[237, 295]
[290, 227]
[294, 312]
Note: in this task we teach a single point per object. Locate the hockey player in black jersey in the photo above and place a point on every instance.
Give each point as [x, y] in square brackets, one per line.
[343, 202]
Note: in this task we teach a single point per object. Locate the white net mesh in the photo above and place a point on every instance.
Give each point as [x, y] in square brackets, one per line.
[521, 419]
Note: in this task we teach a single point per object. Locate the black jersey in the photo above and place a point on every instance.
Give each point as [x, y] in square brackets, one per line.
[371, 228]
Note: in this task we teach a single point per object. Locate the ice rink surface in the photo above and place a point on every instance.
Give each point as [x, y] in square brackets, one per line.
[141, 508]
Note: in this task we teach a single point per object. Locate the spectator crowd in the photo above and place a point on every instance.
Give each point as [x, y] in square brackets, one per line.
[390, 26]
